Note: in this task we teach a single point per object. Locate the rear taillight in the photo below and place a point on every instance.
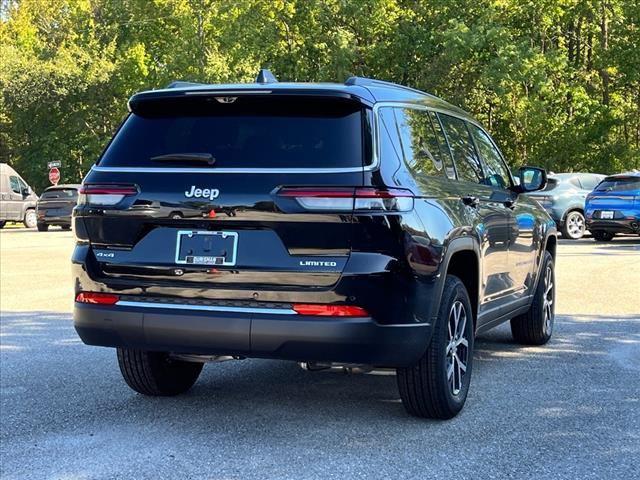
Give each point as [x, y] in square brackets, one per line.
[360, 199]
[321, 310]
[104, 195]
[97, 298]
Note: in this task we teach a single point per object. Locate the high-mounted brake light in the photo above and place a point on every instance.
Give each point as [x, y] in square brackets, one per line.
[97, 298]
[104, 195]
[315, 309]
[360, 199]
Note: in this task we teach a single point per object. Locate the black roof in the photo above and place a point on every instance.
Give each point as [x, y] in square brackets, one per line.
[365, 90]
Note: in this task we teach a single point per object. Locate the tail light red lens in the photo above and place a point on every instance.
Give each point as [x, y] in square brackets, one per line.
[314, 309]
[97, 298]
[359, 199]
[104, 195]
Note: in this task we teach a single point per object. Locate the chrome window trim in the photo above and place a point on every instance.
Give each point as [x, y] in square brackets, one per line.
[208, 308]
[443, 111]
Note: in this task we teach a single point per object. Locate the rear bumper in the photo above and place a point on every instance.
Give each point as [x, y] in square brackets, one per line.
[260, 335]
[615, 226]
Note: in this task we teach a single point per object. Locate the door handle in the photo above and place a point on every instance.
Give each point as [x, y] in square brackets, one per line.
[471, 201]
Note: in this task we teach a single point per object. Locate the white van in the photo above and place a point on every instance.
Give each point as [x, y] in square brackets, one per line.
[17, 199]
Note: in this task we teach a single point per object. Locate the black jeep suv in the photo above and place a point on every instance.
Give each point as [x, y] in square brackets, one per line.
[353, 226]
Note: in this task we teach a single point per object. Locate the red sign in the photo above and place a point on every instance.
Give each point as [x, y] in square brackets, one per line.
[54, 175]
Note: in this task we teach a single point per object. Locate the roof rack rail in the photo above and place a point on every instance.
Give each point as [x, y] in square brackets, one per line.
[364, 81]
[181, 84]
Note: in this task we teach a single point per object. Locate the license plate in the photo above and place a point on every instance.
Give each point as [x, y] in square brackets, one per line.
[606, 215]
[194, 247]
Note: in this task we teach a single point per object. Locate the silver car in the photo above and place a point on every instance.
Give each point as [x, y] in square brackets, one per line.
[564, 197]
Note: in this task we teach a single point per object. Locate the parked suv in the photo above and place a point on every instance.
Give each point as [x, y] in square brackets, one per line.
[55, 206]
[563, 198]
[17, 198]
[614, 206]
[353, 225]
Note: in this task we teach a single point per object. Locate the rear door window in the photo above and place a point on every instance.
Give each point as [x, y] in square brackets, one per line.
[424, 148]
[589, 182]
[464, 154]
[249, 133]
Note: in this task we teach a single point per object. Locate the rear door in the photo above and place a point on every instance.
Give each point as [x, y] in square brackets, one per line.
[493, 227]
[228, 191]
[58, 202]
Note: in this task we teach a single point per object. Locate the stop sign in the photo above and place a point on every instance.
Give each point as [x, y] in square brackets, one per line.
[54, 175]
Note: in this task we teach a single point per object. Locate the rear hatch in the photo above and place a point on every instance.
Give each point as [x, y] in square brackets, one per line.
[615, 197]
[207, 190]
[57, 202]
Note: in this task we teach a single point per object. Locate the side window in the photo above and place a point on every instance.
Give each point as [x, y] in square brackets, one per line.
[15, 184]
[389, 129]
[589, 182]
[421, 147]
[575, 181]
[496, 172]
[464, 154]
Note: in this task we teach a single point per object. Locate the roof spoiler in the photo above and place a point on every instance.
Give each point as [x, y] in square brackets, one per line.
[181, 84]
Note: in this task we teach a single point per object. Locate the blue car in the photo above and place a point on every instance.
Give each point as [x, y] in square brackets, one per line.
[614, 206]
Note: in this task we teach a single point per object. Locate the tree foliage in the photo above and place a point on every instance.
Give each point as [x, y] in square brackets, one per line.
[557, 82]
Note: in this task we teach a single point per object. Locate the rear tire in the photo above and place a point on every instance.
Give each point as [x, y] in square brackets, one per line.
[155, 373]
[43, 227]
[30, 218]
[536, 326]
[574, 225]
[602, 235]
[437, 386]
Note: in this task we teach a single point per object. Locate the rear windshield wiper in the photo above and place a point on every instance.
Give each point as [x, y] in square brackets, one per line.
[185, 157]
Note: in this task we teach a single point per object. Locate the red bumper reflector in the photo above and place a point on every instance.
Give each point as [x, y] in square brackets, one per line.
[329, 310]
[97, 298]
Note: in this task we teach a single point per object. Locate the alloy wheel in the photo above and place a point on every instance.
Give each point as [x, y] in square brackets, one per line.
[457, 347]
[575, 225]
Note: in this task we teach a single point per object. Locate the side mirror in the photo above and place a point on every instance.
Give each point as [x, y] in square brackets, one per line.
[26, 192]
[531, 179]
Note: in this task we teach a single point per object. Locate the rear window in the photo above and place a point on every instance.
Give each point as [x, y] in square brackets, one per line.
[619, 184]
[248, 133]
[61, 193]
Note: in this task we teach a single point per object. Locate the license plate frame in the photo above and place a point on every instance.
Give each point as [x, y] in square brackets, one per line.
[607, 214]
[200, 258]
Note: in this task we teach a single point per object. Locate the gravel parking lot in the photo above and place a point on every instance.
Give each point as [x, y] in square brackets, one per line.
[569, 409]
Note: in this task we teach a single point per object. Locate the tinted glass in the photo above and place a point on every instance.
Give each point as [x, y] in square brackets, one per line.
[253, 134]
[423, 148]
[464, 155]
[496, 173]
[14, 184]
[551, 184]
[620, 184]
[61, 193]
